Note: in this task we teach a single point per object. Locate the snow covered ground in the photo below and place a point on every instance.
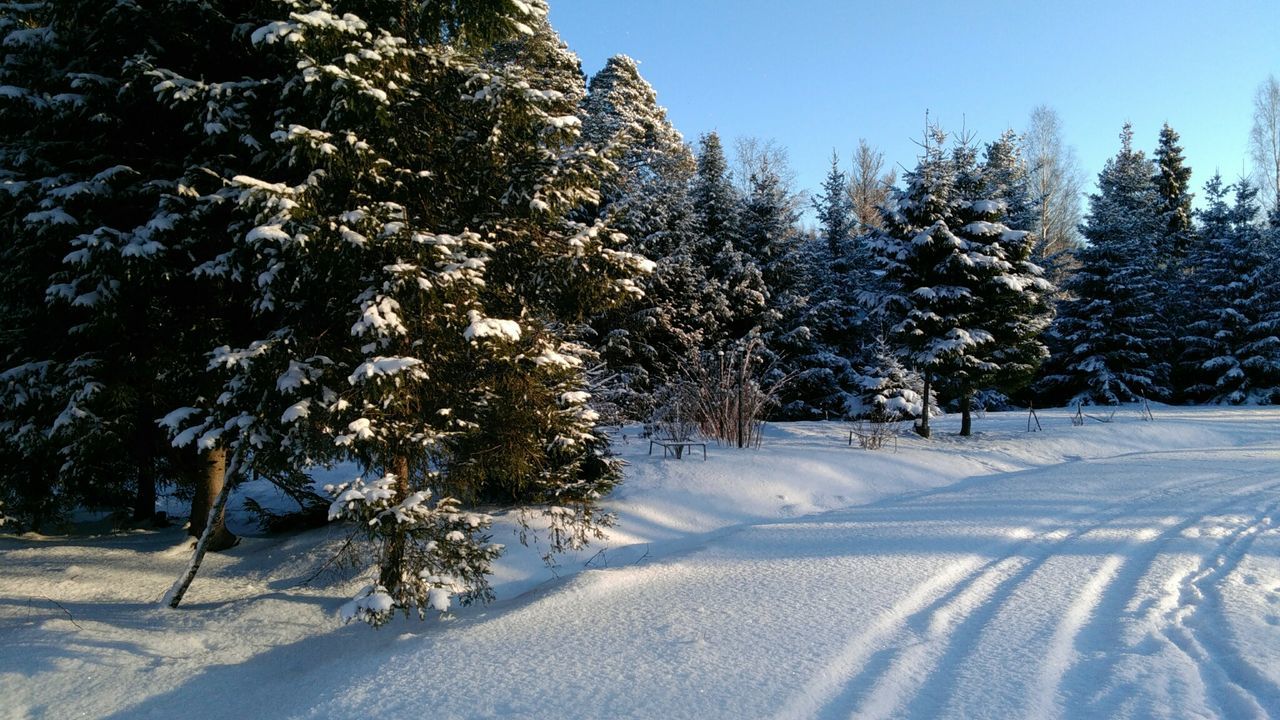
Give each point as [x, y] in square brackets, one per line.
[1129, 569]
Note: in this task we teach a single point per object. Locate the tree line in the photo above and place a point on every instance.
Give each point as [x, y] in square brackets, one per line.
[244, 240]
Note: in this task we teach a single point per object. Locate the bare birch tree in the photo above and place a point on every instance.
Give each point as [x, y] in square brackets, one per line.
[1056, 183]
[1264, 146]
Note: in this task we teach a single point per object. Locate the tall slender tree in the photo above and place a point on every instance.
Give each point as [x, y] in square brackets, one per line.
[1108, 340]
[1055, 185]
[1173, 184]
[924, 292]
[870, 187]
[1264, 146]
[645, 195]
[735, 292]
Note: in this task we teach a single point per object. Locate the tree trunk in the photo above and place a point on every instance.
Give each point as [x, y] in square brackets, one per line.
[923, 428]
[174, 596]
[209, 484]
[966, 419]
[144, 457]
[391, 569]
[144, 501]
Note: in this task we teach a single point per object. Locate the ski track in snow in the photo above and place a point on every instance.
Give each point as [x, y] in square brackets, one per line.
[1104, 580]
[959, 605]
[1193, 623]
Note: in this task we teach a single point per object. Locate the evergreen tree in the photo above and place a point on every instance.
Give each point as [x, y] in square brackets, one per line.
[645, 195]
[1231, 346]
[96, 173]
[835, 210]
[405, 233]
[735, 294]
[888, 390]
[1007, 295]
[919, 257]
[969, 305]
[1006, 176]
[772, 240]
[1173, 184]
[827, 382]
[1108, 338]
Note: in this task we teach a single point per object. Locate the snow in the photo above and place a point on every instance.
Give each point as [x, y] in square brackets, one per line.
[483, 327]
[1120, 570]
[272, 233]
[382, 366]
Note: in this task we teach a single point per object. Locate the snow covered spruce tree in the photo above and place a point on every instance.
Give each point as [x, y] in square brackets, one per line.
[914, 250]
[1232, 348]
[770, 237]
[888, 391]
[98, 299]
[1173, 185]
[404, 234]
[1006, 176]
[966, 302]
[827, 382]
[645, 195]
[1107, 341]
[735, 293]
[1011, 293]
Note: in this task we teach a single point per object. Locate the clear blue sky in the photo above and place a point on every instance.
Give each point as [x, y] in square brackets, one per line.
[818, 74]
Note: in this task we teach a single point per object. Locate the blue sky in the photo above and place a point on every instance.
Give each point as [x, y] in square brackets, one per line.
[818, 74]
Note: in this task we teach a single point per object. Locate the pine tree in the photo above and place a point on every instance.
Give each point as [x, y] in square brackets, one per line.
[1108, 338]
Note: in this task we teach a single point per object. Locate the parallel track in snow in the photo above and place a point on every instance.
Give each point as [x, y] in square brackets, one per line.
[905, 665]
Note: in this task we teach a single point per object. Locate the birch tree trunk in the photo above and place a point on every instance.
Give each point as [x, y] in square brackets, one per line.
[174, 596]
[209, 483]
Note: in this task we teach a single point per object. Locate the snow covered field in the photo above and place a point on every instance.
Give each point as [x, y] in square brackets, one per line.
[1129, 569]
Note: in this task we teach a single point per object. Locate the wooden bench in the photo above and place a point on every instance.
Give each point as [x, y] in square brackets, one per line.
[669, 447]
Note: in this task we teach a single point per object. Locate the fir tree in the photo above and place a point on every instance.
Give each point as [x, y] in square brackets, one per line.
[96, 172]
[735, 294]
[1173, 184]
[835, 210]
[645, 195]
[918, 254]
[1108, 338]
[827, 382]
[405, 232]
[1006, 176]
[968, 304]
[1231, 346]
[888, 390]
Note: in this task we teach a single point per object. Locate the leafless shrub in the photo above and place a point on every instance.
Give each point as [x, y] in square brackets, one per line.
[735, 391]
